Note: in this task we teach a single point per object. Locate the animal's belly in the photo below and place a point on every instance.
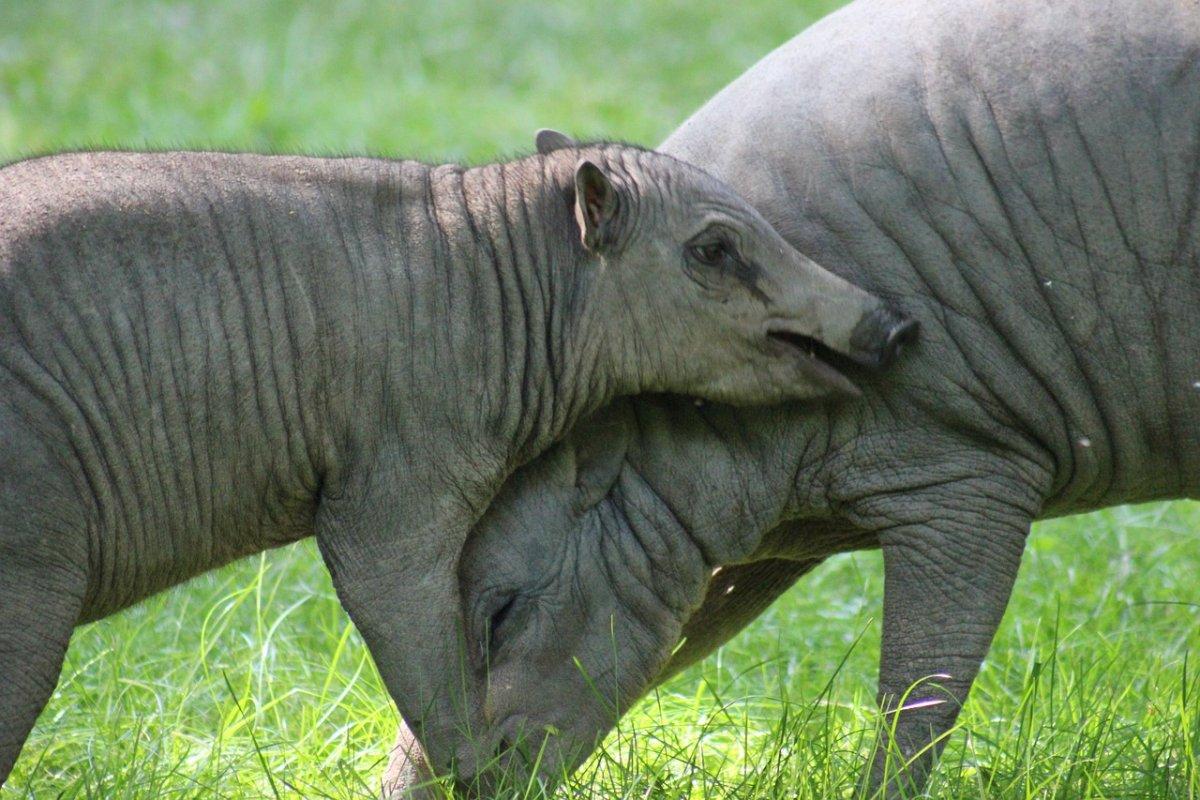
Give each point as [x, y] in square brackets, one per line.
[144, 562]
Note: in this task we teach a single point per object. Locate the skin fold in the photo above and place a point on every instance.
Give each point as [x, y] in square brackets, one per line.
[1021, 177]
[203, 355]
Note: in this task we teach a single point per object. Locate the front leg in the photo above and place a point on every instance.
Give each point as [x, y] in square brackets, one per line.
[947, 582]
[393, 554]
[407, 776]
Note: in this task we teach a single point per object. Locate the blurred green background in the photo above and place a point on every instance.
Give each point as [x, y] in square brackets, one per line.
[249, 682]
[456, 79]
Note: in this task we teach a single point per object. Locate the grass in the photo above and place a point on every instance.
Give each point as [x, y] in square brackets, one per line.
[249, 682]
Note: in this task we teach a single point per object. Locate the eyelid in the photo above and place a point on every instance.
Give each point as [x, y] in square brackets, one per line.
[714, 230]
[718, 232]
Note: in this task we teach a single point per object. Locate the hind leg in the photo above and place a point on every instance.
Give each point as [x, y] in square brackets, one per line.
[39, 605]
[43, 579]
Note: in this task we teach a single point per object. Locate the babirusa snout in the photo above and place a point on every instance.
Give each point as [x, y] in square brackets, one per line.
[843, 318]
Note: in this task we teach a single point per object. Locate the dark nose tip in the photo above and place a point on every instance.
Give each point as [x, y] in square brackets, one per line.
[881, 336]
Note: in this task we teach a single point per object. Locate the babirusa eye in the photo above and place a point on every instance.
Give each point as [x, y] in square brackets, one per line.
[496, 623]
[711, 253]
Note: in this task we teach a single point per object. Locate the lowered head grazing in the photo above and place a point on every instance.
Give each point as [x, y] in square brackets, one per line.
[697, 294]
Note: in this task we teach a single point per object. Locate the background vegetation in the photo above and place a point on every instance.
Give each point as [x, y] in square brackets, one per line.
[249, 682]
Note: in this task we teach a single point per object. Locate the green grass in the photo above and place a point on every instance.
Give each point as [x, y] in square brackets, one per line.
[250, 682]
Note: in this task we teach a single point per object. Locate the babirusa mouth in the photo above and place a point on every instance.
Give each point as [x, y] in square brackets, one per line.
[820, 361]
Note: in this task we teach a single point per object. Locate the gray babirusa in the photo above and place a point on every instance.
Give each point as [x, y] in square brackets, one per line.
[203, 355]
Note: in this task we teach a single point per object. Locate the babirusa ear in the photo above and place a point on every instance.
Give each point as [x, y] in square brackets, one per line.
[548, 141]
[595, 205]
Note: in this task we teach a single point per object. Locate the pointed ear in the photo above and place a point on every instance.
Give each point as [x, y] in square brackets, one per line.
[595, 205]
[548, 141]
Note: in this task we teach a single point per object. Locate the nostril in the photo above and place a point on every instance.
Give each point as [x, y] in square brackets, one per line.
[503, 745]
[899, 337]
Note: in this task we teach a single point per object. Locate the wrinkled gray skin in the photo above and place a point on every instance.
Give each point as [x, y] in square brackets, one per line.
[204, 355]
[1020, 176]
